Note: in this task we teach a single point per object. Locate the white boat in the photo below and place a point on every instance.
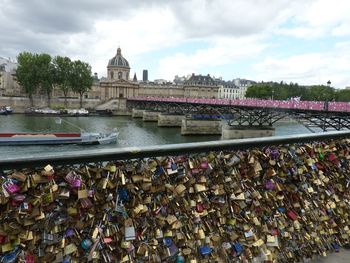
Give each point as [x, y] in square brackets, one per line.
[5, 110]
[31, 138]
[52, 112]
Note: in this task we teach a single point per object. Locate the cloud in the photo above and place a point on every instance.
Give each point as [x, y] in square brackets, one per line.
[223, 51]
[227, 18]
[228, 33]
[65, 16]
[312, 68]
[321, 18]
[51, 24]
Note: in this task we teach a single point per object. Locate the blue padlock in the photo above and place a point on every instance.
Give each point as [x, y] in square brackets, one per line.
[180, 259]
[12, 256]
[69, 232]
[123, 195]
[336, 246]
[238, 248]
[168, 242]
[86, 244]
[281, 209]
[205, 250]
[173, 166]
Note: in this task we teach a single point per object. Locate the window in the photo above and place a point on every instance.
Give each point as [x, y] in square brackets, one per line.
[112, 74]
[120, 75]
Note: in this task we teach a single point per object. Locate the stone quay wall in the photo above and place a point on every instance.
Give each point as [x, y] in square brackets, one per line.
[280, 203]
[20, 104]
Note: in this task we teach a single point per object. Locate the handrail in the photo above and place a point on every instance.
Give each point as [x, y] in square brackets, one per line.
[93, 156]
[314, 106]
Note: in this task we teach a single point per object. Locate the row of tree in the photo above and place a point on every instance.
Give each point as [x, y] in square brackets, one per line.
[41, 73]
[284, 91]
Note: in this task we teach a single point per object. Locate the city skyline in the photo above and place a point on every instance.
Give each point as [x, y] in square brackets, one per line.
[307, 43]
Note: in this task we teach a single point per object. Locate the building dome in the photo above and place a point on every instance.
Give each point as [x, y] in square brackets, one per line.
[118, 60]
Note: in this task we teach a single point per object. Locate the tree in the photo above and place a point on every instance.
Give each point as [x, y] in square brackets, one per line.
[342, 95]
[284, 91]
[46, 73]
[321, 93]
[27, 74]
[80, 78]
[63, 68]
[261, 91]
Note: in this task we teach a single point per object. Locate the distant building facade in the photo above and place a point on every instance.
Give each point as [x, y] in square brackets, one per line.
[145, 75]
[118, 84]
[112, 87]
[118, 67]
[8, 82]
[167, 90]
[198, 86]
[235, 89]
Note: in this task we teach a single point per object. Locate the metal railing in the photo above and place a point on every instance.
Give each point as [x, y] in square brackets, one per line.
[93, 156]
[281, 104]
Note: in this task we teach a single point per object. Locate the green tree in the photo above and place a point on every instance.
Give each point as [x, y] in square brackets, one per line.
[261, 91]
[63, 68]
[284, 91]
[80, 78]
[342, 95]
[321, 93]
[46, 73]
[27, 74]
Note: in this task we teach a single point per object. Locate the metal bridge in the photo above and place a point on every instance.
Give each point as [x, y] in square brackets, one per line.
[253, 112]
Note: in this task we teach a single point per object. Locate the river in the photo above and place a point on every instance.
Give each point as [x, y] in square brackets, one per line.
[132, 132]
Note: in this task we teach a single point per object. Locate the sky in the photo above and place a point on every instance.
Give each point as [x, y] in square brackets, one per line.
[299, 41]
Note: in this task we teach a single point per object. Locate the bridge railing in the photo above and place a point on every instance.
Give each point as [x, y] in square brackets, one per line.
[278, 198]
[286, 104]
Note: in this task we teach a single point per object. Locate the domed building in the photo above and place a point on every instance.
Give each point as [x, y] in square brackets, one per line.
[118, 67]
[117, 83]
[118, 87]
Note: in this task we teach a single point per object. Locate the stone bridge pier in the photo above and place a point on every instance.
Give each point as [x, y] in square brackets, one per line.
[203, 127]
[242, 132]
[170, 120]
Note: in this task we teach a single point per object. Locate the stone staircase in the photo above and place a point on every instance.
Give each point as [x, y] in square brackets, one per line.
[108, 105]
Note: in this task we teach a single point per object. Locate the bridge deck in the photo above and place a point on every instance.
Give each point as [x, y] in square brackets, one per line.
[283, 104]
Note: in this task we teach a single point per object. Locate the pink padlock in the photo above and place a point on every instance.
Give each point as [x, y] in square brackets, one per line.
[18, 197]
[76, 183]
[69, 177]
[11, 188]
[205, 165]
[73, 179]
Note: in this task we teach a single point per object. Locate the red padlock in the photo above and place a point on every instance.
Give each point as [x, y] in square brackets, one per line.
[2, 239]
[292, 215]
[30, 258]
[199, 208]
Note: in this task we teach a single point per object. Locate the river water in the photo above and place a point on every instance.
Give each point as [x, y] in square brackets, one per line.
[132, 132]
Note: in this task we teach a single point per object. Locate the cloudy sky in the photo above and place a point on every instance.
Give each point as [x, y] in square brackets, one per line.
[303, 41]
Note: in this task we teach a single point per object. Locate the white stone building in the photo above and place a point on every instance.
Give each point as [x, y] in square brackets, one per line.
[8, 83]
[235, 89]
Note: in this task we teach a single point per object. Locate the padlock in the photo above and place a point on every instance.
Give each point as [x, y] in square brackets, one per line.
[86, 203]
[10, 187]
[129, 230]
[171, 248]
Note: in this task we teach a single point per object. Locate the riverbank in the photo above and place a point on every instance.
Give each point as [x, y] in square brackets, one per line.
[20, 104]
